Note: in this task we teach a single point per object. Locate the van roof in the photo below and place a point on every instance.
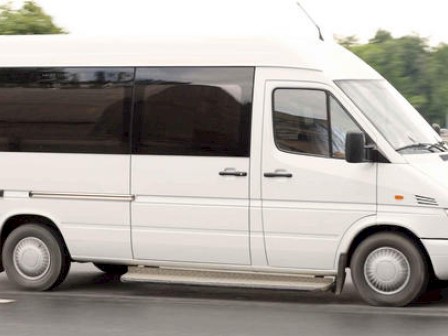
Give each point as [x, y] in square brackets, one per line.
[66, 50]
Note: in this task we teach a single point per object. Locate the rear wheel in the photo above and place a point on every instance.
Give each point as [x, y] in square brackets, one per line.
[389, 270]
[35, 258]
[112, 269]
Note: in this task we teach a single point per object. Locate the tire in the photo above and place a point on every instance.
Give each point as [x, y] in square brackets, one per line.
[112, 269]
[388, 269]
[35, 258]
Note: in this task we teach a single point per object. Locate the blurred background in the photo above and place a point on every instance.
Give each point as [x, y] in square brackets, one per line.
[404, 41]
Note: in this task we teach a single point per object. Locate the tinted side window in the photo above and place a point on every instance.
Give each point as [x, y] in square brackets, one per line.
[300, 121]
[303, 120]
[193, 111]
[65, 110]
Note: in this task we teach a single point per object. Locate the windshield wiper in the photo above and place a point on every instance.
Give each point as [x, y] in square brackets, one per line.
[441, 146]
[425, 146]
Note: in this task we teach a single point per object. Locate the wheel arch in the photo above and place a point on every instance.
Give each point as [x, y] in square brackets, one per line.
[368, 231]
[12, 222]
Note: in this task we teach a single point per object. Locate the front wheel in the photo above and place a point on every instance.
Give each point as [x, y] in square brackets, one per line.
[34, 258]
[388, 269]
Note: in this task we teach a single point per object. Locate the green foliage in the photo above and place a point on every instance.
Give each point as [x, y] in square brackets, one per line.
[381, 36]
[30, 19]
[418, 71]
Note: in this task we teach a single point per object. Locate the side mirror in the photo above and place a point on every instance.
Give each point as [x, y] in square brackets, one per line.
[355, 147]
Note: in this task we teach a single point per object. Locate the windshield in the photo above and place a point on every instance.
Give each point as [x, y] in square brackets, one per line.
[392, 115]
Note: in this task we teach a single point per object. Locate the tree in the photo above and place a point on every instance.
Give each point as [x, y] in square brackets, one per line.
[30, 19]
[381, 36]
[438, 71]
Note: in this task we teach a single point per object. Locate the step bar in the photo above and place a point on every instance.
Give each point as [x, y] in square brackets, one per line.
[229, 278]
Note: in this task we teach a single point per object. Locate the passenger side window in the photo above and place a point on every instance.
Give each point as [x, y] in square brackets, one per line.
[310, 122]
[193, 111]
[65, 110]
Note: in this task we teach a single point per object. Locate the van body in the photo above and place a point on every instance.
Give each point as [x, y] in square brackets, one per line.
[224, 157]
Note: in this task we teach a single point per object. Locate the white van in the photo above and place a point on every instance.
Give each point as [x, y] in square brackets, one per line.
[254, 163]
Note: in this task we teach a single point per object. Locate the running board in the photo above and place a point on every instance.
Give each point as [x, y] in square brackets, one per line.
[228, 279]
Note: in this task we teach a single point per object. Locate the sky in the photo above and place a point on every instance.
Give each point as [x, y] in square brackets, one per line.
[230, 17]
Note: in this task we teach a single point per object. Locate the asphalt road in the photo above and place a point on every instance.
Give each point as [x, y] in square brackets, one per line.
[91, 303]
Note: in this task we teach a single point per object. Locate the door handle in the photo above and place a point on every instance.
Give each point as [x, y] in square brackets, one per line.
[279, 174]
[233, 173]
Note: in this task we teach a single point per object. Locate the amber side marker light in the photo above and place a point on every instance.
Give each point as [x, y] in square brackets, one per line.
[399, 197]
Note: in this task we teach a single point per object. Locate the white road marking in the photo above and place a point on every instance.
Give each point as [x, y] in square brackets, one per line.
[6, 301]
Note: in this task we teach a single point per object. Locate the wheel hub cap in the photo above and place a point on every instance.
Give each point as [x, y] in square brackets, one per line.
[31, 258]
[387, 270]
